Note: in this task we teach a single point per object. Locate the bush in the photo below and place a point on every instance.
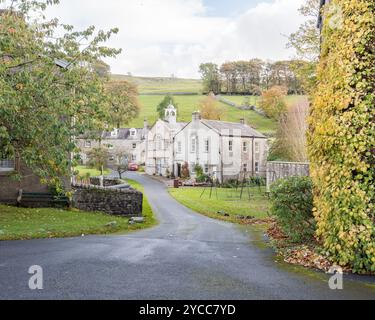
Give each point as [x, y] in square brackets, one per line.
[292, 205]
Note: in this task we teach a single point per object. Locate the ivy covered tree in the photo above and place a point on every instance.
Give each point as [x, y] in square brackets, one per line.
[49, 91]
[342, 134]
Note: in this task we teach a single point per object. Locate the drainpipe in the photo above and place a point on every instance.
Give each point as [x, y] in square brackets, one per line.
[252, 157]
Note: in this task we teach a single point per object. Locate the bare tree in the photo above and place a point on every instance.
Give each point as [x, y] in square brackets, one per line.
[291, 136]
[123, 158]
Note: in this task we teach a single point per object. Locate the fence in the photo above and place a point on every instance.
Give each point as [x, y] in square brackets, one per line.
[281, 170]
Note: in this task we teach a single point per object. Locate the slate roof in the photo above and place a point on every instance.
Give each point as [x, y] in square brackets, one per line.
[62, 63]
[223, 127]
[123, 134]
[176, 126]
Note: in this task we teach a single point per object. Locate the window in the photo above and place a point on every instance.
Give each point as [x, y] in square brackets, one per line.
[256, 166]
[207, 146]
[7, 165]
[87, 144]
[110, 147]
[133, 132]
[159, 142]
[179, 147]
[257, 147]
[134, 146]
[134, 157]
[245, 167]
[206, 168]
[111, 158]
[244, 147]
[193, 145]
[231, 145]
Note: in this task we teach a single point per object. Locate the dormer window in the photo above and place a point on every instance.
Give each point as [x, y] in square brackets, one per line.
[133, 132]
[114, 133]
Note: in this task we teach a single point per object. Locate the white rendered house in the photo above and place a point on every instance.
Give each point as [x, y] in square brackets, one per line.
[223, 149]
[159, 144]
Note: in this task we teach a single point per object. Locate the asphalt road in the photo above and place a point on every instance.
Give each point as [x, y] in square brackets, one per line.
[187, 256]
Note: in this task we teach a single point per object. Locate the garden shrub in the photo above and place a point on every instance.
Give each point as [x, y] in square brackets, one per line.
[341, 139]
[292, 205]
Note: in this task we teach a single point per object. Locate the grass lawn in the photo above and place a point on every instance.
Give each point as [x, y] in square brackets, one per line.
[227, 200]
[188, 104]
[23, 223]
[83, 170]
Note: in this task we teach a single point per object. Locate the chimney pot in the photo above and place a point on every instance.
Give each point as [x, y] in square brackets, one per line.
[196, 116]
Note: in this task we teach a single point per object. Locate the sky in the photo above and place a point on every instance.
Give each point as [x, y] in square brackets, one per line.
[164, 37]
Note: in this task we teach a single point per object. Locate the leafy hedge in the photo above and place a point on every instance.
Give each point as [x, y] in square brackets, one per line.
[342, 135]
[292, 205]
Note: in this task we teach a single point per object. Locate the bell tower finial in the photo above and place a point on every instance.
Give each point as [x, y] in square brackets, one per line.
[171, 114]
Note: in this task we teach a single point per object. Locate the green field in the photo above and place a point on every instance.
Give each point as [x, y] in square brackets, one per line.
[148, 85]
[188, 104]
[290, 100]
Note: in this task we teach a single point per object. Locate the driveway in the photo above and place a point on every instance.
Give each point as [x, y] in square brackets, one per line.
[187, 256]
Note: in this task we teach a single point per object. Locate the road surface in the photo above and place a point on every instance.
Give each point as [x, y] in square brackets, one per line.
[187, 256]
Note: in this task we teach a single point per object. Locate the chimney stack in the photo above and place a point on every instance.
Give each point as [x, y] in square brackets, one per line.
[197, 116]
[242, 121]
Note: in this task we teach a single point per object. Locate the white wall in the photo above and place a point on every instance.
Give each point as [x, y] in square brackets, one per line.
[201, 133]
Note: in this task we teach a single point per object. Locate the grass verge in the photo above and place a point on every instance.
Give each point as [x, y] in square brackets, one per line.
[227, 202]
[26, 223]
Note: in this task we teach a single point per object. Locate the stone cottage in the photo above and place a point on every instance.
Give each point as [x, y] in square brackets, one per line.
[130, 142]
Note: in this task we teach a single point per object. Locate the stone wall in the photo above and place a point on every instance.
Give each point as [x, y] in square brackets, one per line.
[126, 202]
[281, 170]
[107, 182]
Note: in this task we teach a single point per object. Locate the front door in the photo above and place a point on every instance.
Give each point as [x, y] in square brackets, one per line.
[179, 170]
[158, 166]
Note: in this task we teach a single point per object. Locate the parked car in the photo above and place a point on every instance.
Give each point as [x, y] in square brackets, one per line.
[133, 167]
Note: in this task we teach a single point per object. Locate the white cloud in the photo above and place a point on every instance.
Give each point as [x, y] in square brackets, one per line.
[161, 37]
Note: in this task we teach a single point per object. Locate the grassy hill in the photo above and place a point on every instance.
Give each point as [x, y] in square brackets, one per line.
[159, 85]
[187, 93]
[188, 104]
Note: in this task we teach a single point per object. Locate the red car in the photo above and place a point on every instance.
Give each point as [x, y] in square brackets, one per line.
[133, 167]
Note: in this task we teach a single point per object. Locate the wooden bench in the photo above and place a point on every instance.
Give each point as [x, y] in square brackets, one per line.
[40, 200]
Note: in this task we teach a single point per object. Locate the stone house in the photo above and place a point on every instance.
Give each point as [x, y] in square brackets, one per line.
[159, 144]
[130, 142]
[223, 149]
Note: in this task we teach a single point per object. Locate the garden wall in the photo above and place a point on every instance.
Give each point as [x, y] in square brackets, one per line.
[122, 202]
[281, 170]
[107, 182]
